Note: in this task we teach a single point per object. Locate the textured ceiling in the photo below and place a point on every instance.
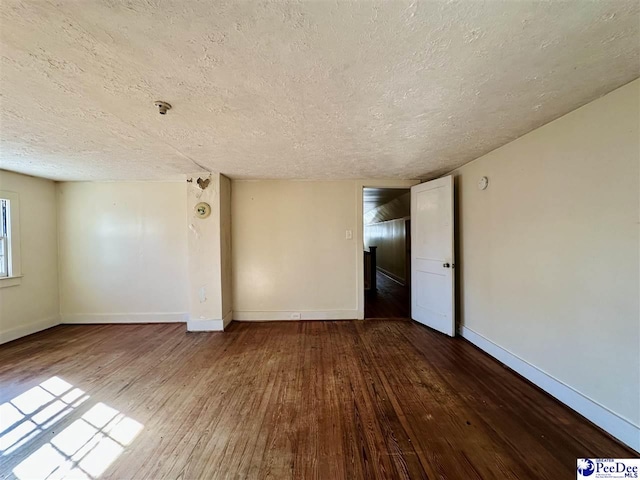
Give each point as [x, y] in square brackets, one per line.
[295, 89]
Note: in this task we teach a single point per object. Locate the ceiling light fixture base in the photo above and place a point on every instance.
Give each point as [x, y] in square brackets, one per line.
[163, 107]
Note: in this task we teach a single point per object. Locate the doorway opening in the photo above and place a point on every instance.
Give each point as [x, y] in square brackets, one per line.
[387, 252]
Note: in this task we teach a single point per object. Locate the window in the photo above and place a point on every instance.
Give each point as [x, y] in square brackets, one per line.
[9, 240]
[4, 237]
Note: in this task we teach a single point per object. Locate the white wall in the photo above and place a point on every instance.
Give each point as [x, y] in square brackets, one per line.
[205, 299]
[289, 249]
[123, 252]
[33, 304]
[399, 207]
[548, 255]
[209, 242]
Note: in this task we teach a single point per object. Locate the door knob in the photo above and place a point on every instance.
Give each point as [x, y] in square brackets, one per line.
[446, 265]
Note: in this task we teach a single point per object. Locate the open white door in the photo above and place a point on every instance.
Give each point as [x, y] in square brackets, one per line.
[432, 281]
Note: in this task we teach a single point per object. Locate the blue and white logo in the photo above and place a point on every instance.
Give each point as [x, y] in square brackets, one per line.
[609, 468]
[585, 467]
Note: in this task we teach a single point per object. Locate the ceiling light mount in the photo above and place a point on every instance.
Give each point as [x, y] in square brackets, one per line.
[163, 107]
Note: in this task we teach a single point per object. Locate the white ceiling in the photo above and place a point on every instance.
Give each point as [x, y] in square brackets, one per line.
[376, 197]
[317, 90]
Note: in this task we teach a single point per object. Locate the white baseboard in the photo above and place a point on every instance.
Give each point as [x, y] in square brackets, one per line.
[24, 330]
[205, 325]
[392, 276]
[209, 324]
[173, 317]
[256, 316]
[617, 426]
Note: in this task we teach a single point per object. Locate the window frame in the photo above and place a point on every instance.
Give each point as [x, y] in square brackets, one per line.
[13, 241]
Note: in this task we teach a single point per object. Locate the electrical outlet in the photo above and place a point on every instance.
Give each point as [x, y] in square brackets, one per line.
[296, 316]
[348, 235]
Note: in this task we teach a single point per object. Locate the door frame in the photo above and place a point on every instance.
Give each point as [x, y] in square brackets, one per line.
[359, 236]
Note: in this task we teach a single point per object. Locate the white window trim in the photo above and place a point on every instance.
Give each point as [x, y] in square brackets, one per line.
[15, 271]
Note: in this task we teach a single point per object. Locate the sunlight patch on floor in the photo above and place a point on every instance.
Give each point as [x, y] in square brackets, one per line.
[83, 450]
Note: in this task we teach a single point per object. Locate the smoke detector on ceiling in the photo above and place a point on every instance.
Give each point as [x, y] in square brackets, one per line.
[163, 107]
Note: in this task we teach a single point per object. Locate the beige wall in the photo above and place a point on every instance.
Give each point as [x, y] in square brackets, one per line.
[289, 250]
[33, 304]
[209, 247]
[205, 297]
[123, 251]
[391, 254]
[548, 254]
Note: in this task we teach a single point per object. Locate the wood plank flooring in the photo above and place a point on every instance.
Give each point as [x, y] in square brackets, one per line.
[303, 400]
[390, 300]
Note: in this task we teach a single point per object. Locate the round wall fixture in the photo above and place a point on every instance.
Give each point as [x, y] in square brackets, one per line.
[203, 210]
[483, 183]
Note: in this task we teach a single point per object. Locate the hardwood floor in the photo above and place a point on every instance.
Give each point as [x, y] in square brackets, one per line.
[304, 400]
[390, 300]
